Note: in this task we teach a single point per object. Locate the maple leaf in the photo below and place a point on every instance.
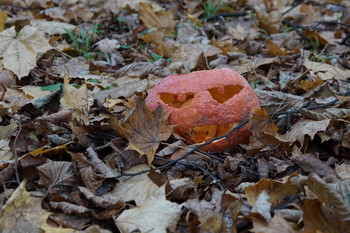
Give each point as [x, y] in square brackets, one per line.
[154, 16]
[144, 129]
[326, 71]
[139, 188]
[23, 213]
[19, 51]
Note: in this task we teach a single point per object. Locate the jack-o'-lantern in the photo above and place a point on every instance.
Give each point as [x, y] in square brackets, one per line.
[206, 104]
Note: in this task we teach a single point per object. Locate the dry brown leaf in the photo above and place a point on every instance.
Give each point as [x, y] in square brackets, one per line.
[75, 98]
[90, 178]
[155, 215]
[144, 129]
[326, 71]
[310, 163]
[330, 213]
[57, 174]
[7, 130]
[276, 225]
[107, 201]
[154, 16]
[5, 152]
[262, 122]
[269, 21]
[139, 188]
[276, 101]
[52, 27]
[98, 165]
[23, 213]
[19, 51]
[69, 208]
[343, 170]
[3, 18]
[117, 5]
[305, 127]
[275, 189]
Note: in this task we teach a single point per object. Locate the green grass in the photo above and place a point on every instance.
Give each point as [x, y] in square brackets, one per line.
[211, 7]
[82, 42]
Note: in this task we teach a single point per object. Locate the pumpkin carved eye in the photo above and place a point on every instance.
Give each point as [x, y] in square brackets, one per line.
[221, 96]
[175, 100]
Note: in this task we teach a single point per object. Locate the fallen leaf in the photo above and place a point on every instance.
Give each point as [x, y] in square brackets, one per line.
[305, 127]
[263, 205]
[275, 225]
[276, 101]
[154, 16]
[277, 191]
[139, 188]
[19, 51]
[144, 129]
[269, 21]
[52, 27]
[3, 18]
[69, 208]
[262, 122]
[75, 98]
[155, 215]
[5, 152]
[274, 49]
[326, 71]
[310, 163]
[108, 45]
[23, 213]
[57, 174]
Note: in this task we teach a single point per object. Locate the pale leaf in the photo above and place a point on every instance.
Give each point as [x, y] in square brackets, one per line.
[23, 213]
[19, 51]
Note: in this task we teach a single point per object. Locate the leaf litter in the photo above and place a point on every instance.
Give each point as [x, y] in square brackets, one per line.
[81, 152]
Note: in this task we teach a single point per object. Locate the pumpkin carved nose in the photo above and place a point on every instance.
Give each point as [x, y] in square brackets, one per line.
[206, 104]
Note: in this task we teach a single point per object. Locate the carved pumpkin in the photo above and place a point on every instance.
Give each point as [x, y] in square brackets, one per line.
[206, 104]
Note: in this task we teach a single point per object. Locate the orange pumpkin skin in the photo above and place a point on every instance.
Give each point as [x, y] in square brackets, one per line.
[206, 104]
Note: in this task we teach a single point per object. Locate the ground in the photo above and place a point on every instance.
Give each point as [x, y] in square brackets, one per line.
[82, 149]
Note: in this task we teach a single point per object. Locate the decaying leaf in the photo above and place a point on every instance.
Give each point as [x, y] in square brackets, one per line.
[139, 188]
[305, 127]
[326, 71]
[57, 174]
[19, 51]
[3, 18]
[154, 16]
[144, 129]
[25, 210]
[156, 214]
[276, 190]
[335, 215]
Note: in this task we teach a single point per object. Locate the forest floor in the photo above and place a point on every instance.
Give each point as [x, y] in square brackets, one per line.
[81, 151]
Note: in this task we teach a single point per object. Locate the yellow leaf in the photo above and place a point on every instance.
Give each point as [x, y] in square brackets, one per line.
[154, 16]
[3, 18]
[23, 213]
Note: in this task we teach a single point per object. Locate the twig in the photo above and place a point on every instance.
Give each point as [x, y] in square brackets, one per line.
[311, 107]
[240, 125]
[226, 15]
[15, 149]
[280, 154]
[200, 168]
[294, 5]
